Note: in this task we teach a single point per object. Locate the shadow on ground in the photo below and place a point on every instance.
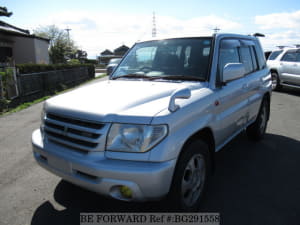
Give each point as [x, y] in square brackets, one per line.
[254, 183]
[290, 91]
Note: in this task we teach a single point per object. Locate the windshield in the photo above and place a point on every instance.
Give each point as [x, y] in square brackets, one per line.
[167, 59]
[275, 54]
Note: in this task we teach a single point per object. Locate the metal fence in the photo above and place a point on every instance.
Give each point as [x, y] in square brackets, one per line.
[28, 87]
[35, 85]
[1, 92]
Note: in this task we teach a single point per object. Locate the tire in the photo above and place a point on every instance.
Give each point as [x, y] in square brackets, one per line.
[257, 130]
[275, 81]
[190, 177]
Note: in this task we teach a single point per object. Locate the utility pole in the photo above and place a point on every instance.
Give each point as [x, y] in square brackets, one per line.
[153, 25]
[68, 31]
[68, 47]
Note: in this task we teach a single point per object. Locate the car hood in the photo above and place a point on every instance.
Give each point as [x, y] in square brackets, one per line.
[118, 101]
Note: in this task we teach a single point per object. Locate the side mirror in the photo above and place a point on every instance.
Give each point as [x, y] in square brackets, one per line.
[233, 71]
[184, 93]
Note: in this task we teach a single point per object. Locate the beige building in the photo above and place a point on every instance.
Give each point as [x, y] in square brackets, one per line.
[19, 46]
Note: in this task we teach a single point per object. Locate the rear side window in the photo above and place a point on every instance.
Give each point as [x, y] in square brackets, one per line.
[298, 57]
[246, 58]
[289, 56]
[260, 57]
[254, 58]
[274, 55]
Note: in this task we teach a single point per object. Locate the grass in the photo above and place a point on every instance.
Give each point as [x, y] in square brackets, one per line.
[28, 104]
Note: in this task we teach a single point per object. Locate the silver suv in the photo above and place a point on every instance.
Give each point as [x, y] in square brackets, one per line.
[152, 130]
[285, 68]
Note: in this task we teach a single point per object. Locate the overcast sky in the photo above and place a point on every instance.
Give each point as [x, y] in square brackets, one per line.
[98, 25]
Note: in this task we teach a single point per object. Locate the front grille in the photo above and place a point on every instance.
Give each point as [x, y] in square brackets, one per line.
[75, 121]
[73, 132]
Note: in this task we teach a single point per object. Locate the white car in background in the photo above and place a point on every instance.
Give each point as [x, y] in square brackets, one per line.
[284, 65]
[113, 63]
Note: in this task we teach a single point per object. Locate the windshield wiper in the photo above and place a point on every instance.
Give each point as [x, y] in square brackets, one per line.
[133, 75]
[167, 77]
[179, 77]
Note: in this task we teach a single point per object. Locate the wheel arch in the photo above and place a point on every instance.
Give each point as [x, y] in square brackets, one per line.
[272, 70]
[206, 135]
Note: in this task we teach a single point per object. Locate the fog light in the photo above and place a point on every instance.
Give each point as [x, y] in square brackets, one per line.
[125, 191]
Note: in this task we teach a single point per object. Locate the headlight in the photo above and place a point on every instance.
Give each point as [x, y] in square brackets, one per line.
[135, 138]
[43, 117]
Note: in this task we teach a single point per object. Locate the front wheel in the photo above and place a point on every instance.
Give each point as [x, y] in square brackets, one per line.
[190, 176]
[275, 81]
[257, 130]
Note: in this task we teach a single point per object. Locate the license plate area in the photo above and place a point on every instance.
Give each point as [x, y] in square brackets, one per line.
[60, 164]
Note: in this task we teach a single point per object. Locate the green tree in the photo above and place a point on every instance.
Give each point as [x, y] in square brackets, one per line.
[62, 47]
[81, 55]
[4, 12]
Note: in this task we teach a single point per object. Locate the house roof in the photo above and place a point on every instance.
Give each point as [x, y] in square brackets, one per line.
[106, 52]
[121, 48]
[10, 29]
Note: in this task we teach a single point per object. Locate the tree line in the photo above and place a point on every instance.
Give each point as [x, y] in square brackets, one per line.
[62, 47]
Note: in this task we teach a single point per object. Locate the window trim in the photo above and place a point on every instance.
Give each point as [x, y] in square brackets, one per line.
[243, 42]
[254, 58]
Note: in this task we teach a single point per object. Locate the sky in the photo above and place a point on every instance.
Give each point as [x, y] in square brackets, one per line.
[97, 25]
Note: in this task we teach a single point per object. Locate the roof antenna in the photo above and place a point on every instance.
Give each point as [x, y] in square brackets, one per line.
[216, 30]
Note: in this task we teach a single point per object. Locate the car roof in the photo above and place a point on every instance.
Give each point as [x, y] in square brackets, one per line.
[286, 49]
[218, 35]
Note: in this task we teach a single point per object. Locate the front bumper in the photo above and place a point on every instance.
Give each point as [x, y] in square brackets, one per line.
[93, 171]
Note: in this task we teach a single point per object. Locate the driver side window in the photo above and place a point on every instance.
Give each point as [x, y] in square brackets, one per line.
[229, 53]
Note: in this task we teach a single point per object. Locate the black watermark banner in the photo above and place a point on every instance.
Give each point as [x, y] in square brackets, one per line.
[150, 218]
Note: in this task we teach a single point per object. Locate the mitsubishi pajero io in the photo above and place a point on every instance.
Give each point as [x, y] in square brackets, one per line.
[152, 129]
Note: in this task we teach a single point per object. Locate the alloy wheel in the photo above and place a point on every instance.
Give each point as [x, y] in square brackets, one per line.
[193, 180]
